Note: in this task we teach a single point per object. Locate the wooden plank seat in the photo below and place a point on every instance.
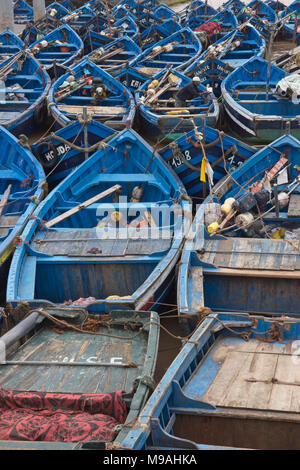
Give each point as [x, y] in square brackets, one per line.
[7, 222]
[87, 243]
[99, 110]
[252, 254]
[163, 62]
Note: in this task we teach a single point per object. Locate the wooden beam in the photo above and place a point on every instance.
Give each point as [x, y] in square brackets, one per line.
[100, 110]
[83, 205]
[269, 273]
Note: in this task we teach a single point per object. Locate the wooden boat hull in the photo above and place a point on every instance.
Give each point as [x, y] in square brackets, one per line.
[238, 47]
[99, 37]
[188, 148]
[185, 48]
[22, 116]
[116, 111]
[257, 274]
[225, 390]
[59, 56]
[23, 12]
[10, 44]
[16, 174]
[119, 266]
[68, 366]
[115, 61]
[58, 158]
[164, 121]
[157, 32]
[262, 19]
[259, 120]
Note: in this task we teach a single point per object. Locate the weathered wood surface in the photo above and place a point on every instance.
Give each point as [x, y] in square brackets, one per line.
[6, 223]
[83, 205]
[47, 346]
[256, 375]
[294, 206]
[100, 110]
[95, 243]
[252, 254]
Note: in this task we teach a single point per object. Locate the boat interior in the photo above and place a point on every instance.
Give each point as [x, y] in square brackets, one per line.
[20, 89]
[253, 272]
[106, 248]
[236, 389]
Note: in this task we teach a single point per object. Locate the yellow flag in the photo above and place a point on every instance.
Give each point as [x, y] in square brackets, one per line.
[203, 167]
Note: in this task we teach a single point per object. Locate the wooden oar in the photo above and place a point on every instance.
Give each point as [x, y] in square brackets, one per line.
[83, 205]
[4, 198]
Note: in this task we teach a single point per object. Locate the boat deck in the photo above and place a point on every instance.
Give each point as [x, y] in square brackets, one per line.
[252, 254]
[6, 223]
[254, 374]
[95, 243]
[52, 362]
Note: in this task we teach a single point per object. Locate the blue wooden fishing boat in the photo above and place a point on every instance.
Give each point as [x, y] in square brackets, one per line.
[57, 50]
[158, 113]
[235, 5]
[78, 89]
[95, 38]
[163, 12]
[10, 44]
[87, 385]
[288, 60]
[232, 386]
[197, 14]
[57, 10]
[185, 156]
[23, 13]
[156, 32]
[31, 33]
[115, 56]
[132, 79]
[122, 243]
[120, 11]
[242, 252]
[68, 4]
[64, 150]
[230, 52]
[22, 187]
[79, 18]
[190, 7]
[258, 112]
[178, 50]
[260, 14]
[291, 27]
[24, 88]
